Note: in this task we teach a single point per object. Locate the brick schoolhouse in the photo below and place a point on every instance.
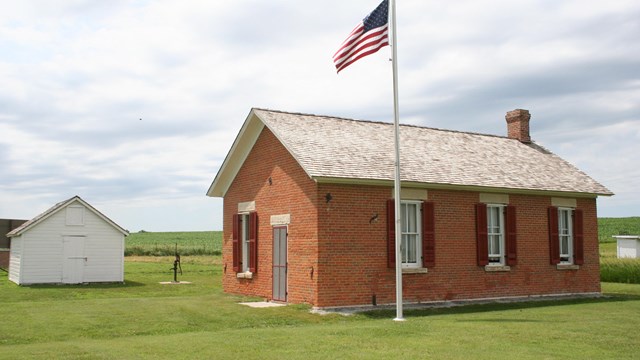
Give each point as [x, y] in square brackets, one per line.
[309, 216]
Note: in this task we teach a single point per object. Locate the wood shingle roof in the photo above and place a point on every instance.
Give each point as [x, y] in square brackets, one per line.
[345, 150]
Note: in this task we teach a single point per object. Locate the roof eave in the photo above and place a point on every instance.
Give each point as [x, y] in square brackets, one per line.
[459, 187]
[59, 206]
[239, 151]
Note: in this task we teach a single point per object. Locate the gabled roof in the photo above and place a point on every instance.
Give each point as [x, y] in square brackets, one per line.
[57, 207]
[331, 149]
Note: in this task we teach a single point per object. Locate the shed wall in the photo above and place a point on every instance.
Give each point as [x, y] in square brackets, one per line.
[628, 248]
[42, 249]
[15, 259]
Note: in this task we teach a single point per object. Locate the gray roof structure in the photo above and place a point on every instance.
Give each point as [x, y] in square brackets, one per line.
[335, 149]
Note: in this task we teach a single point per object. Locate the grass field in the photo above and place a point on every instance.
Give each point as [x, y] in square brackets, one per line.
[607, 227]
[164, 243]
[142, 319]
[210, 242]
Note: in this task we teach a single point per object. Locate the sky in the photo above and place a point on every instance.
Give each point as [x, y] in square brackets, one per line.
[133, 105]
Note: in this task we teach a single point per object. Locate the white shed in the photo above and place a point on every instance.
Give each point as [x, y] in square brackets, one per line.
[628, 246]
[70, 243]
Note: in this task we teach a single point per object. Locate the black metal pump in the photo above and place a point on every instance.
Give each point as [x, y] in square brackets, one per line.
[176, 266]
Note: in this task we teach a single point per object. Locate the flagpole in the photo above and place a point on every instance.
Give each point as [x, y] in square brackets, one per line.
[396, 190]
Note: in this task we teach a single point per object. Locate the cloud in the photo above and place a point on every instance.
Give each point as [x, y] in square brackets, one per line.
[78, 75]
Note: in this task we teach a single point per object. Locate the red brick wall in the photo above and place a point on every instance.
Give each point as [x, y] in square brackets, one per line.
[291, 192]
[352, 265]
[349, 263]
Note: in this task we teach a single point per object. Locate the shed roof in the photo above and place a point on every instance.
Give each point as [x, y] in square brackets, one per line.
[57, 207]
[332, 149]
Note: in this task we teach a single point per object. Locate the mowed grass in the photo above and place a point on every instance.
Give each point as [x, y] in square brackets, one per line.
[164, 243]
[142, 319]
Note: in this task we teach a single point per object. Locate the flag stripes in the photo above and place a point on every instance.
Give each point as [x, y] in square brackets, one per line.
[368, 37]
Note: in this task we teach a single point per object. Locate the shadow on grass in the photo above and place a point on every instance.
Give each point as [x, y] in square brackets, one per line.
[125, 284]
[433, 310]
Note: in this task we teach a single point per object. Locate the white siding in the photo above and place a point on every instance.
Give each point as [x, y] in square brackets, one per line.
[14, 259]
[42, 260]
[628, 248]
[105, 256]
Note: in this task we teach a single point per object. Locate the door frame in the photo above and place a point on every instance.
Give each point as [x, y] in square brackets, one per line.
[73, 259]
[276, 295]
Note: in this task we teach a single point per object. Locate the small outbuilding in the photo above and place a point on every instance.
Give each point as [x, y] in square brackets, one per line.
[628, 246]
[70, 243]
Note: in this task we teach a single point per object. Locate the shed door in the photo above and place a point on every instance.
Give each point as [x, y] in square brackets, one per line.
[280, 263]
[73, 259]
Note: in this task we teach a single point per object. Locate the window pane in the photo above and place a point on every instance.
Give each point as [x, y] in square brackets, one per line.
[403, 248]
[564, 245]
[411, 249]
[494, 245]
[411, 218]
[491, 213]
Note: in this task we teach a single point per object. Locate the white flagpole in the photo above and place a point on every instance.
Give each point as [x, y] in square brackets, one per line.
[396, 190]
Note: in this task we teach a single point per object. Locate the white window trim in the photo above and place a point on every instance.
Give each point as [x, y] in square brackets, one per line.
[244, 238]
[419, 260]
[569, 261]
[502, 235]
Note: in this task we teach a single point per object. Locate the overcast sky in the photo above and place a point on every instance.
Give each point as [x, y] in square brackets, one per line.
[133, 105]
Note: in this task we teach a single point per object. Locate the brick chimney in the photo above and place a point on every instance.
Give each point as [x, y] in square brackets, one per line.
[518, 125]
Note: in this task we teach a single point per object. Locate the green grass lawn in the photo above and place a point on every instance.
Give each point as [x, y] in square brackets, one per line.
[142, 319]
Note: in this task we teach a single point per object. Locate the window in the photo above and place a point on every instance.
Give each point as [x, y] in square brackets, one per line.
[411, 234]
[245, 242]
[418, 234]
[566, 236]
[496, 235]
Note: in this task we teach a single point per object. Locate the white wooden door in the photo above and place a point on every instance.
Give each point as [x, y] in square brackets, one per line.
[73, 259]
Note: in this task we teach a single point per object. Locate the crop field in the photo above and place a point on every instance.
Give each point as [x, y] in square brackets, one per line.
[607, 227]
[164, 243]
[210, 242]
[613, 269]
[143, 319]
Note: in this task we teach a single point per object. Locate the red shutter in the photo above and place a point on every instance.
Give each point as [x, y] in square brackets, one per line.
[554, 239]
[511, 246]
[237, 243]
[578, 237]
[428, 235]
[391, 233]
[253, 242]
[482, 240]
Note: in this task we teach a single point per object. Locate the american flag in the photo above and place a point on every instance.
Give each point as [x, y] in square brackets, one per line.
[369, 36]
